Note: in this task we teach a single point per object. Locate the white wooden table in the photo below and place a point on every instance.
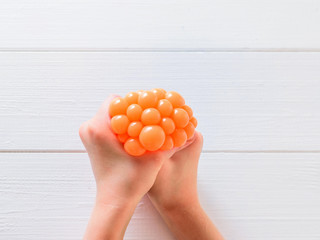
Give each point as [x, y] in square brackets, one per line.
[250, 70]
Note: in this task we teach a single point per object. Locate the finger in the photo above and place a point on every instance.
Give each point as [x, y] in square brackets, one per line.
[103, 111]
[104, 108]
[193, 147]
[177, 149]
[101, 120]
[197, 142]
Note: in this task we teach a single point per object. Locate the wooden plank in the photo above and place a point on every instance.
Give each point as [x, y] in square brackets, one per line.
[205, 24]
[243, 101]
[248, 195]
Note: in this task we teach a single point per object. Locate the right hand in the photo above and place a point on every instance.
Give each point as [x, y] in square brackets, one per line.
[176, 182]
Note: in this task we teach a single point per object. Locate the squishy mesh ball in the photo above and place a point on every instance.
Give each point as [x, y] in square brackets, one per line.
[151, 121]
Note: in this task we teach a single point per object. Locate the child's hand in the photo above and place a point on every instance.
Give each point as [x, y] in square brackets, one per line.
[121, 179]
[174, 194]
[116, 172]
[176, 182]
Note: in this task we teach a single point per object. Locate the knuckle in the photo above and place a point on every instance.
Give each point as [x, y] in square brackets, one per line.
[83, 130]
[94, 133]
[88, 131]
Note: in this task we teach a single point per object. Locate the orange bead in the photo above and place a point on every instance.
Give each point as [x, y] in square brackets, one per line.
[150, 116]
[123, 137]
[168, 143]
[133, 147]
[134, 112]
[131, 98]
[140, 92]
[175, 98]
[119, 124]
[147, 99]
[152, 137]
[188, 110]
[189, 130]
[179, 137]
[167, 125]
[118, 106]
[161, 93]
[194, 121]
[180, 117]
[134, 129]
[165, 107]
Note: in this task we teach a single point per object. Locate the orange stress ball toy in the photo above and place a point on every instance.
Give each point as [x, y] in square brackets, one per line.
[151, 120]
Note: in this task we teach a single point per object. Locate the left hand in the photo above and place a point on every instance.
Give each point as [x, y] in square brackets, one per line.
[117, 173]
[121, 179]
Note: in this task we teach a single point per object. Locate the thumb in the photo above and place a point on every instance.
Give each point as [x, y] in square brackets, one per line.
[191, 148]
[193, 141]
[103, 111]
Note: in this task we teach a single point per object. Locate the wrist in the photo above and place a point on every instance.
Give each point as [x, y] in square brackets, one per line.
[107, 196]
[175, 205]
[113, 207]
[188, 220]
[117, 193]
[110, 217]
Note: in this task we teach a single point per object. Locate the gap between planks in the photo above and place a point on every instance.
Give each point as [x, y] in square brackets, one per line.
[182, 50]
[204, 151]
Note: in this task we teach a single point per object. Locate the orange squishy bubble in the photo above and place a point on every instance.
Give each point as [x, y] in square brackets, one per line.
[161, 93]
[189, 130]
[179, 137]
[168, 143]
[147, 99]
[118, 106]
[194, 121]
[123, 137]
[131, 98]
[152, 137]
[167, 125]
[134, 129]
[134, 112]
[165, 107]
[151, 120]
[188, 110]
[150, 116]
[119, 124]
[175, 98]
[180, 117]
[140, 92]
[133, 147]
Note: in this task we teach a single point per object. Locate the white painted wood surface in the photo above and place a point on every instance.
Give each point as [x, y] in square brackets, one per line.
[249, 196]
[244, 101]
[166, 24]
[250, 69]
